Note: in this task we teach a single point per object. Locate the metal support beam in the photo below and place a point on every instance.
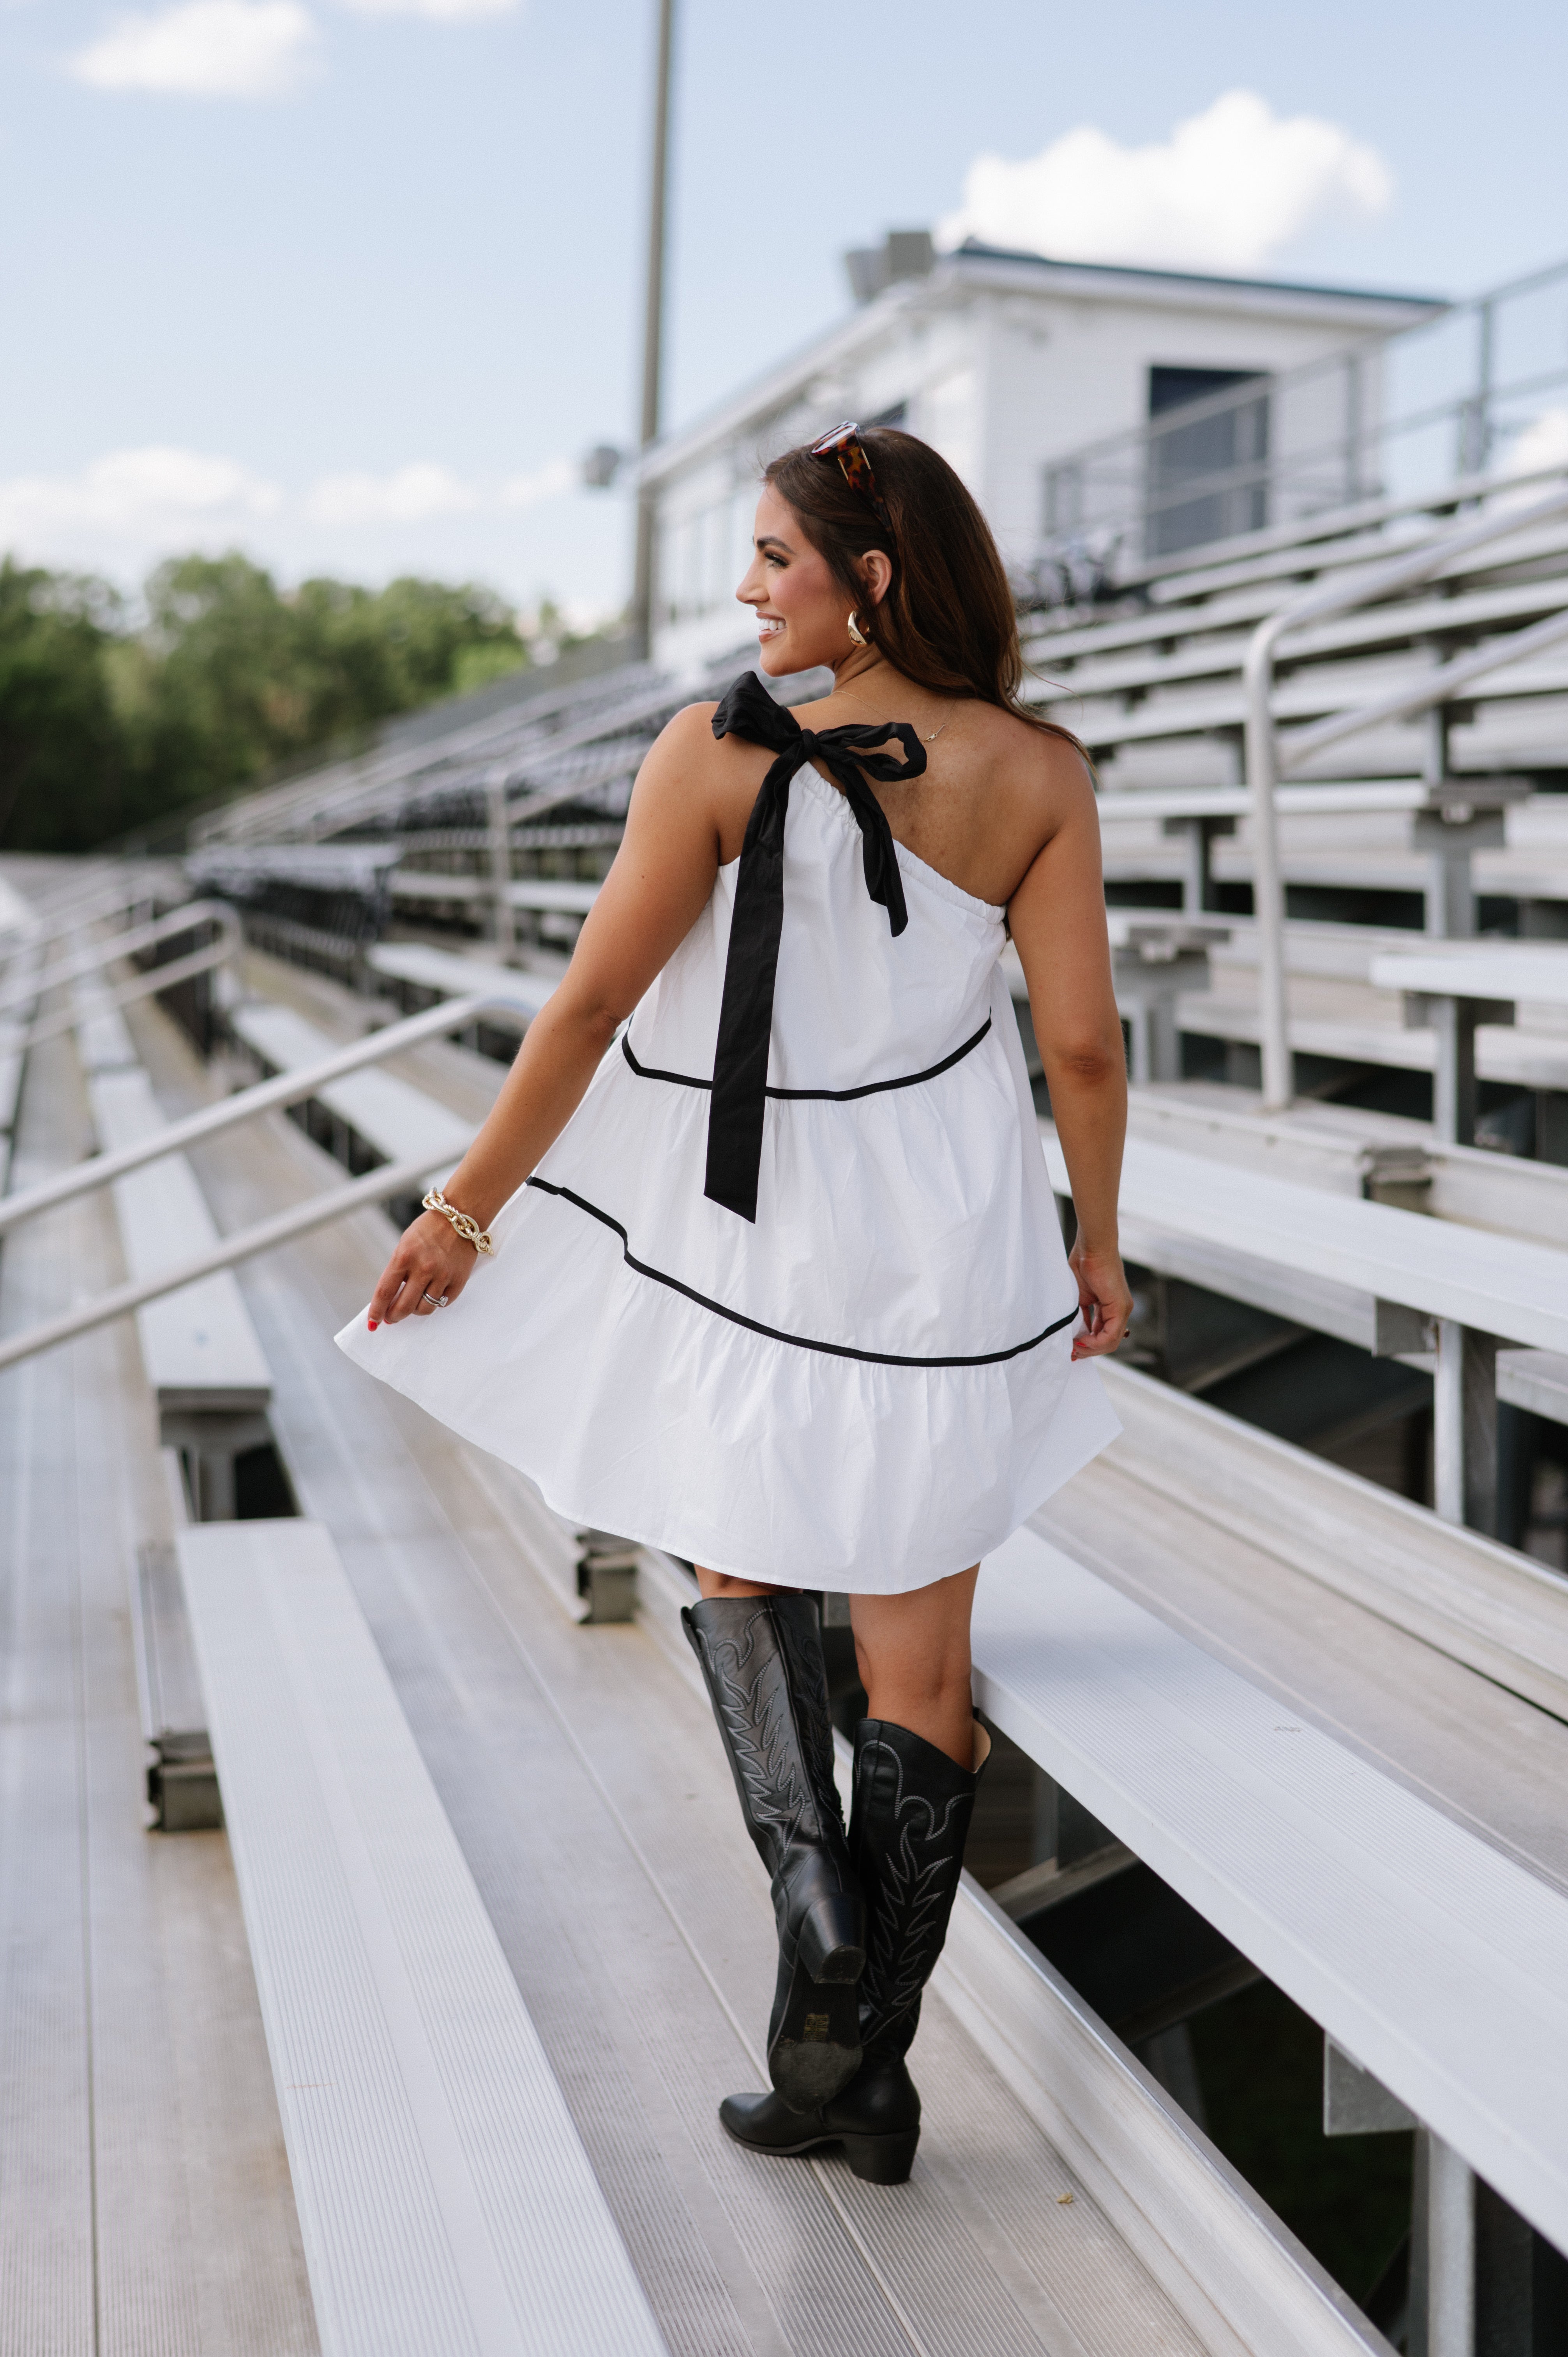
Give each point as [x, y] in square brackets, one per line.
[1450, 2253]
[1453, 1081]
[1196, 837]
[1147, 990]
[503, 931]
[1448, 838]
[1454, 1021]
[1465, 1427]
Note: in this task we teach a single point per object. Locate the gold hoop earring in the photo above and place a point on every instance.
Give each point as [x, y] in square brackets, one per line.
[855, 634]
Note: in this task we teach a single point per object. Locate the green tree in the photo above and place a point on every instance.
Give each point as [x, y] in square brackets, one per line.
[236, 677]
[104, 727]
[61, 765]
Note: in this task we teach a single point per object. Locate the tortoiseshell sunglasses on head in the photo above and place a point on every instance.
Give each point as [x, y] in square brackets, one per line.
[846, 444]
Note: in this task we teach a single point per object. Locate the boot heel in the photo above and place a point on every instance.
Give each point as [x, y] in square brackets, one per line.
[882, 2159]
[833, 1939]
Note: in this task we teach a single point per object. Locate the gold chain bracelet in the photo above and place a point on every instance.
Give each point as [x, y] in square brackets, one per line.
[467, 1226]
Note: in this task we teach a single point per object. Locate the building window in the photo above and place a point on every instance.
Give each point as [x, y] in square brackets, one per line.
[1208, 474]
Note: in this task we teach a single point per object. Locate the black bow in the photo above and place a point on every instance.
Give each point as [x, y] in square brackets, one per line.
[745, 1012]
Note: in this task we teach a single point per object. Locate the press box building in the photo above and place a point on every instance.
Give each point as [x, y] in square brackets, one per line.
[1014, 367]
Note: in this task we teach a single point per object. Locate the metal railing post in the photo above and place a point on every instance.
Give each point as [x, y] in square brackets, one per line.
[500, 862]
[1268, 887]
[1451, 2253]
[1448, 1423]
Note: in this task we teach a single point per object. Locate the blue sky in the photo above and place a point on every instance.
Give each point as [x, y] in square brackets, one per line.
[361, 306]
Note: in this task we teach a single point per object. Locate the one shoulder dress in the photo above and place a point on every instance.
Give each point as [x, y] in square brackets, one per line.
[787, 1296]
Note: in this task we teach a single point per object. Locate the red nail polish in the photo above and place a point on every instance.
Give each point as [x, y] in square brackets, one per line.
[372, 1323]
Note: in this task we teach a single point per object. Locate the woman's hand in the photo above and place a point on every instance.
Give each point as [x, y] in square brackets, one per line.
[1105, 1296]
[429, 1267]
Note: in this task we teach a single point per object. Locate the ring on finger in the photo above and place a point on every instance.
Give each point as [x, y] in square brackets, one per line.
[433, 1301]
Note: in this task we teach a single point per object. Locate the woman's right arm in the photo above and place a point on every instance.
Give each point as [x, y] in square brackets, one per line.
[1057, 918]
[657, 887]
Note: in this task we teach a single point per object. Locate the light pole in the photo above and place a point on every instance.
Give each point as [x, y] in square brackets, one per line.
[653, 323]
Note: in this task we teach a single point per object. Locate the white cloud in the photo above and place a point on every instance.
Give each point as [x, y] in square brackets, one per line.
[437, 11]
[132, 496]
[548, 483]
[1542, 443]
[1225, 191]
[205, 48]
[410, 495]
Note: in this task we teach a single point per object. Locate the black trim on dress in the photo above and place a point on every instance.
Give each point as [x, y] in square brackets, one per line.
[833, 1096]
[775, 1333]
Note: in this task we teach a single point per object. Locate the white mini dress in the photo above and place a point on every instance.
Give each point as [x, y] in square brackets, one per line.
[831, 1348]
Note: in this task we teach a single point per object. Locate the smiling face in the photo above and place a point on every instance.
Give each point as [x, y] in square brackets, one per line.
[802, 613]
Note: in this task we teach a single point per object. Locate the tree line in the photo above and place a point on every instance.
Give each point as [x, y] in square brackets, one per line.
[114, 718]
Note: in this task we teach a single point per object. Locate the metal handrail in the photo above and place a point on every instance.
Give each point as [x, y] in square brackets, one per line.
[1437, 687]
[84, 902]
[393, 1178]
[152, 983]
[284, 1089]
[1105, 487]
[1314, 605]
[182, 920]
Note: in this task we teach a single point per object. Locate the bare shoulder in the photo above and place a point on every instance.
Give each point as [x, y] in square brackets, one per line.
[691, 731]
[690, 770]
[1038, 776]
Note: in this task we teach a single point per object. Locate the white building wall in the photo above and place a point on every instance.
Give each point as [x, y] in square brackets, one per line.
[1003, 379]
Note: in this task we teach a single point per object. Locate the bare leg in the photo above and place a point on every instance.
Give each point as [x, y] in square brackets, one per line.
[913, 1652]
[719, 1583]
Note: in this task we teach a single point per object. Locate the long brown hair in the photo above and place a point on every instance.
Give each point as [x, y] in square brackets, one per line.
[948, 621]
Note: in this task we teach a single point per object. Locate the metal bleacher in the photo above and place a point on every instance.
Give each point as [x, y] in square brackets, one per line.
[421, 2049]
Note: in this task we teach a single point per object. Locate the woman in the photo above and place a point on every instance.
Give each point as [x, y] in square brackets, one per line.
[784, 1290]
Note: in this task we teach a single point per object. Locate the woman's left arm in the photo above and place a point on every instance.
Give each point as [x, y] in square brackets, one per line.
[1057, 918]
[659, 885]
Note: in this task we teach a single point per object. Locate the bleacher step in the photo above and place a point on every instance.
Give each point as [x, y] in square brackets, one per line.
[444, 2197]
[1378, 1914]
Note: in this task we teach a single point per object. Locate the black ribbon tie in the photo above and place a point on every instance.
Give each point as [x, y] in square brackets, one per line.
[739, 1100]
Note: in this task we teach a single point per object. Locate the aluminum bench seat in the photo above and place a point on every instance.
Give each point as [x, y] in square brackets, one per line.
[208, 1371]
[539, 895]
[1536, 1380]
[1300, 1521]
[1432, 1955]
[1534, 974]
[198, 1346]
[1351, 1151]
[104, 1041]
[1519, 1059]
[451, 976]
[396, 1121]
[445, 2200]
[1337, 1258]
[552, 895]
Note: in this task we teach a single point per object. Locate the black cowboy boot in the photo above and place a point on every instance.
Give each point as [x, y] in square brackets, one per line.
[762, 1662]
[912, 1809]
